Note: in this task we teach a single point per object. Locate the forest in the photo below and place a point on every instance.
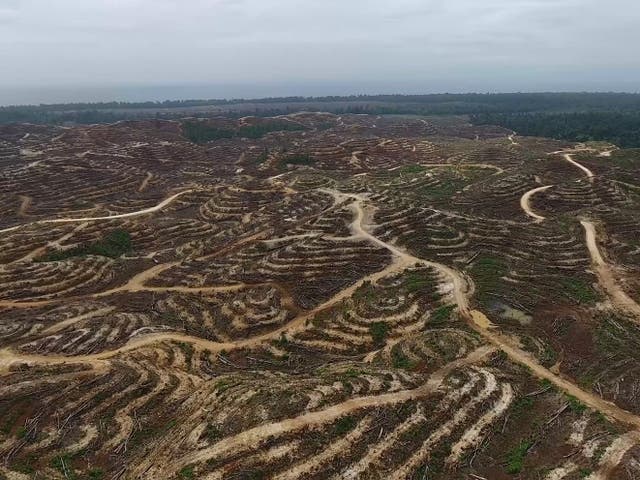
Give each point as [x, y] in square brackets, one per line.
[619, 128]
[613, 117]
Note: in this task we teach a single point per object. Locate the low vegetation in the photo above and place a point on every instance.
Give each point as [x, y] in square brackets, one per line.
[114, 244]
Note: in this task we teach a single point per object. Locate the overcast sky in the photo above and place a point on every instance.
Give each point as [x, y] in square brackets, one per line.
[240, 47]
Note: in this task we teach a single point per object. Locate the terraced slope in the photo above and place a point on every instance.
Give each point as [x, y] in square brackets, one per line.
[344, 297]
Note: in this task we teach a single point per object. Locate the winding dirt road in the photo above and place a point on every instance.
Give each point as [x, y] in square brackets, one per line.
[483, 326]
[145, 211]
[253, 437]
[606, 275]
[358, 229]
[525, 203]
[568, 158]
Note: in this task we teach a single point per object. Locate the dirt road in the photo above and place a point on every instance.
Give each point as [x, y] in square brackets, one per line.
[568, 158]
[145, 182]
[525, 203]
[253, 437]
[606, 275]
[145, 211]
[458, 282]
[483, 326]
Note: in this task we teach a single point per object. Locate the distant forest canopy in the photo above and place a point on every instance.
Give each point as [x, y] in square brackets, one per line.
[621, 129]
[613, 117]
[434, 104]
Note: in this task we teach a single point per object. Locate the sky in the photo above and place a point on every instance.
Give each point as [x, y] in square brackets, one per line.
[61, 50]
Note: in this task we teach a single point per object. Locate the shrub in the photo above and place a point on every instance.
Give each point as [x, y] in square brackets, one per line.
[379, 331]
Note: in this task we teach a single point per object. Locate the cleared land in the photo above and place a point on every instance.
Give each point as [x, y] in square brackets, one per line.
[317, 296]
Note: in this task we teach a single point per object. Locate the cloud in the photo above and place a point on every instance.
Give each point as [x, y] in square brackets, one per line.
[119, 42]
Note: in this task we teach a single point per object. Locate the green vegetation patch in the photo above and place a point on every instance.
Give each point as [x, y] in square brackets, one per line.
[187, 472]
[442, 314]
[298, 159]
[486, 273]
[113, 245]
[619, 128]
[579, 291]
[452, 180]
[379, 331]
[95, 474]
[516, 456]
[576, 405]
[400, 360]
[411, 169]
[344, 425]
[417, 281]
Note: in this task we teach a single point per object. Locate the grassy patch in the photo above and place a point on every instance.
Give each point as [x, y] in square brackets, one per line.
[522, 406]
[411, 169]
[63, 465]
[212, 432]
[400, 360]
[95, 474]
[223, 385]
[452, 180]
[486, 273]
[187, 472]
[575, 405]
[418, 281]
[202, 132]
[579, 291]
[114, 244]
[379, 331]
[25, 465]
[298, 159]
[352, 373]
[188, 351]
[515, 457]
[344, 425]
[442, 314]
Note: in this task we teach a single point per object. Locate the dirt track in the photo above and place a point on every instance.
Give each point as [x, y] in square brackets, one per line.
[525, 202]
[569, 159]
[606, 274]
[254, 436]
[145, 211]
[482, 325]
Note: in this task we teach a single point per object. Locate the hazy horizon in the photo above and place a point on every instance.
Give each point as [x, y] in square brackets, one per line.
[133, 50]
[158, 93]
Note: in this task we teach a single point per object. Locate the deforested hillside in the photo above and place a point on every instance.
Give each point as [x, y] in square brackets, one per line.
[317, 296]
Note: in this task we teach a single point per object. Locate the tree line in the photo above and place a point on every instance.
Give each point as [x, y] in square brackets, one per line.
[619, 128]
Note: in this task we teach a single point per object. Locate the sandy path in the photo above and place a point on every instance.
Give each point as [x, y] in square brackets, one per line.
[479, 321]
[463, 165]
[525, 203]
[358, 229]
[513, 142]
[613, 455]
[24, 205]
[145, 182]
[70, 321]
[606, 275]
[252, 438]
[568, 158]
[145, 211]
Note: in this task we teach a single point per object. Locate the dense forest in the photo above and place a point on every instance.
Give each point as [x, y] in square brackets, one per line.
[436, 104]
[620, 128]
